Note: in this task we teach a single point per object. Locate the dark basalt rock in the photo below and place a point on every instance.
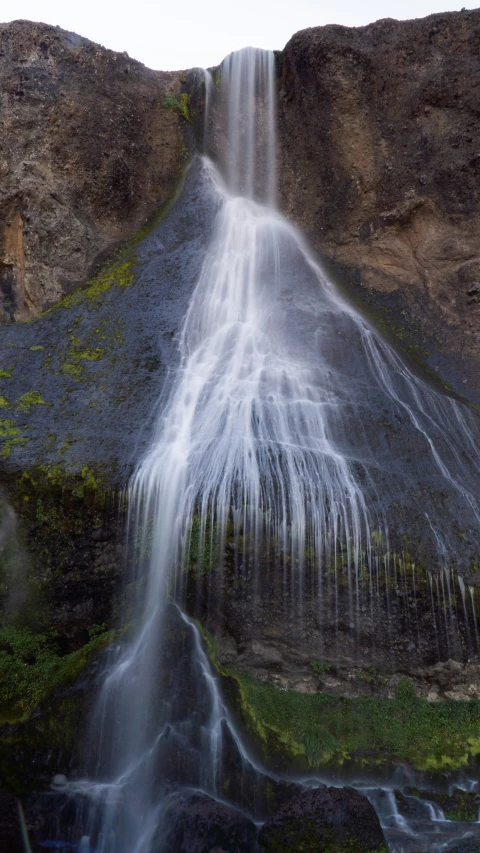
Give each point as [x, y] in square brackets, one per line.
[196, 823]
[10, 833]
[326, 820]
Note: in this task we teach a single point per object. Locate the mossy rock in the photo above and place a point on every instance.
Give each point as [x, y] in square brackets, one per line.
[325, 820]
[458, 805]
[50, 740]
[299, 731]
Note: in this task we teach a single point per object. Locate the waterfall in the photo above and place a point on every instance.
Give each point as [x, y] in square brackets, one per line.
[292, 429]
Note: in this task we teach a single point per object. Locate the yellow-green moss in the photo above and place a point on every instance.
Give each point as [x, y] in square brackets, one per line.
[33, 398]
[179, 104]
[6, 374]
[7, 447]
[74, 370]
[60, 476]
[318, 730]
[31, 666]
[8, 428]
[119, 273]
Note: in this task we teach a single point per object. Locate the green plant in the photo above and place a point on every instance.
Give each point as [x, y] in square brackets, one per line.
[179, 104]
[319, 667]
[31, 665]
[318, 730]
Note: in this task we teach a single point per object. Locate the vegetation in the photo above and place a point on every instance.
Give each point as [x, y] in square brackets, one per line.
[33, 398]
[31, 666]
[10, 436]
[204, 550]
[320, 731]
[120, 273]
[319, 667]
[302, 836]
[179, 104]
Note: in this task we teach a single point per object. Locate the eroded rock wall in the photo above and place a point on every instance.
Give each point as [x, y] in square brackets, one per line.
[88, 153]
[379, 166]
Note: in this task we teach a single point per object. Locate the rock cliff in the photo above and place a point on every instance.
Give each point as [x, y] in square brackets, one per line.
[379, 165]
[87, 155]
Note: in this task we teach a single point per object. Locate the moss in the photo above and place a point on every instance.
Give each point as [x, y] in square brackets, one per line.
[90, 354]
[4, 404]
[319, 667]
[179, 104]
[32, 752]
[74, 370]
[36, 348]
[203, 550]
[459, 805]
[8, 428]
[77, 483]
[300, 835]
[33, 398]
[119, 273]
[321, 731]
[78, 352]
[8, 446]
[31, 666]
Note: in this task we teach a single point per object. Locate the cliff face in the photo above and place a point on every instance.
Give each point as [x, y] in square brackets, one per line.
[380, 167]
[377, 164]
[87, 155]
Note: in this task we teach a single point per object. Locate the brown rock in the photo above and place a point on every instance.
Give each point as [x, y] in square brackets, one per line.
[379, 165]
[88, 153]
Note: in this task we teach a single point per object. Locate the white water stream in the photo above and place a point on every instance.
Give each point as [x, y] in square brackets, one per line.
[267, 437]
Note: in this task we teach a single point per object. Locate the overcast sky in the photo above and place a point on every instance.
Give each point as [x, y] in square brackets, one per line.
[177, 34]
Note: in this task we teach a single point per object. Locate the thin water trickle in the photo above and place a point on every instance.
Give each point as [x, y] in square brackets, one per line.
[276, 440]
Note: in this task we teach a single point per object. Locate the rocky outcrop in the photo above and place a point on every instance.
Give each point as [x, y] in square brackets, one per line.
[195, 823]
[324, 820]
[88, 153]
[379, 166]
[10, 833]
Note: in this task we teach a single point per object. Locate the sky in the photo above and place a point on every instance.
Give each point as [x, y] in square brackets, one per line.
[178, 34]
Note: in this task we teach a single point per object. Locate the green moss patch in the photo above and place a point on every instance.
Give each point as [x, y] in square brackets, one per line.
[31, 666]
[10, 437]
[33, 398]
[321, 731]
[302, 836]
[119, 273]
[179, 104]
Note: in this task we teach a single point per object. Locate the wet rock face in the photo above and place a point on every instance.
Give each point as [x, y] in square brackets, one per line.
[379, 166]
[195, 823]
[323, 820]
[10, 833]
[87, 154]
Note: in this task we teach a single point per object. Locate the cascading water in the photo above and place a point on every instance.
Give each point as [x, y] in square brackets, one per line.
[274, 436]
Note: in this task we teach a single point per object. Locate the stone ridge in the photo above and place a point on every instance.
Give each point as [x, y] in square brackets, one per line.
[88, 154]
[379, 166]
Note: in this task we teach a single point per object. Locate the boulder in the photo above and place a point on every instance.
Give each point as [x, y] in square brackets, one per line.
[196, 823]
[325, 820]
[10, 833]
